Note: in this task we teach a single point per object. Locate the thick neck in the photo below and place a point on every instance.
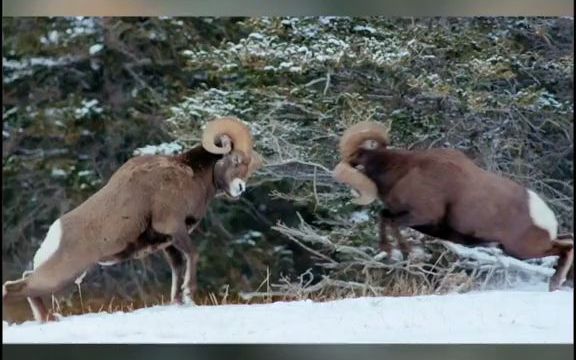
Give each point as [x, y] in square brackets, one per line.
[202, 162]
[385, 167]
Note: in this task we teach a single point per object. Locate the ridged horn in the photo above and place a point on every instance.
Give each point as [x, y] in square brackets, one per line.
[365, 187]
[357, 134]
[228, 131]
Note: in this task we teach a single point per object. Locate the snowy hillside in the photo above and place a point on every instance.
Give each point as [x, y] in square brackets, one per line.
[519, 316]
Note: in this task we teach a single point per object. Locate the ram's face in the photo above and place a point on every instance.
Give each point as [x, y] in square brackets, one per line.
[359, 161]
[363, 161]
[231, 173]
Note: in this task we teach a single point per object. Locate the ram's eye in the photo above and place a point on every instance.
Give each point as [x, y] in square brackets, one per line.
[370, 144]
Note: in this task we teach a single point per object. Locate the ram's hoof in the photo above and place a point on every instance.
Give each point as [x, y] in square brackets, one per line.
[51, 317]
[177, 301]
[381, 256]
[189, 301]
[396, 255]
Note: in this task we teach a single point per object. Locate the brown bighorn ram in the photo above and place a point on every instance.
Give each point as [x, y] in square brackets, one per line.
[152, 202]
[442, 193]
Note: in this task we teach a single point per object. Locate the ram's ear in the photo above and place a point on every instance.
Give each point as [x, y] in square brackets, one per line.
[370, 144]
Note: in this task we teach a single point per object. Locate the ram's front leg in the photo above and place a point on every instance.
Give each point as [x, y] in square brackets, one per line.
[391, 221]
[187, 246]
[384, 242]
[176, 261]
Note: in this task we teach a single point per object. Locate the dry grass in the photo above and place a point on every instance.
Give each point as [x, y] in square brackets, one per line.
[401, 280]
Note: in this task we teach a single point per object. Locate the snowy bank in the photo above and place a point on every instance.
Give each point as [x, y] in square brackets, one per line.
[527, 316]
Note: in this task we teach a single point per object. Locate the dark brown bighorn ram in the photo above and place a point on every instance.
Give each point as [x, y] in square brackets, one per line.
[152, 202]
[442, 193]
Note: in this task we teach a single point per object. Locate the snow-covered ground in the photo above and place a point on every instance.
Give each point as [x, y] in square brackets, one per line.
[512, 316]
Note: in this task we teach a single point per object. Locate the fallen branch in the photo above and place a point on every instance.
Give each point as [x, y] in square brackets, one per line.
[493, 257]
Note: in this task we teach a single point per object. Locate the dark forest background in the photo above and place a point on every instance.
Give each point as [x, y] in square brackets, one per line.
[82, 95]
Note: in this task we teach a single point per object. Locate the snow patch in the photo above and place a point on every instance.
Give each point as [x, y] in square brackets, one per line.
[326, 20]
[256, 36]
[52, 37]
[15, 69]
[56, 172]
[82, 25]
[362, 28]
[249, 237]
[479, 256]
[84, 173]
[530, 316]
[358, 217]
[96, 48]
[161, 149]
[88, 107]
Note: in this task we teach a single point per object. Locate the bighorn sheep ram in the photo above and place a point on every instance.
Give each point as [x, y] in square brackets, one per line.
[152, 202]
[442, 193]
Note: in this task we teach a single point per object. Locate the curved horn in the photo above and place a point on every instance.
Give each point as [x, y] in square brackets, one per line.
[230, 132]
[366, 188]
[357, 134]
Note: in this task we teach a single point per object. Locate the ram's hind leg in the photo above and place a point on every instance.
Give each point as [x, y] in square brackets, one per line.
[39, 310]
[403, 244]
[18, 289]
[55, 273]
[384, 242]
[564, 248]
[570, 276]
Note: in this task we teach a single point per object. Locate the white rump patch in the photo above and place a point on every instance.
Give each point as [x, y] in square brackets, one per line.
[49, 245]
[542, 215]
[237, 187]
